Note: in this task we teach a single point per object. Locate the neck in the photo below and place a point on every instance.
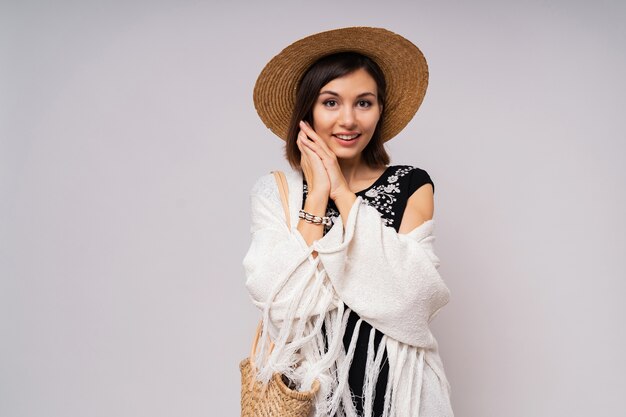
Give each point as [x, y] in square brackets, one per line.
[353, 169]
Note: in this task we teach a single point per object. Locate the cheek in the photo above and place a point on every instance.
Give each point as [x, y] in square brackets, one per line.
[321, 120]
[372, 121]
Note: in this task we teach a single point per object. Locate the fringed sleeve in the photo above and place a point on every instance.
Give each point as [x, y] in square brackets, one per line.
[275, 253]
[391, 280]
[289, 286]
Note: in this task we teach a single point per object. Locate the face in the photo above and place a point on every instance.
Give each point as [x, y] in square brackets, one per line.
[346, 113]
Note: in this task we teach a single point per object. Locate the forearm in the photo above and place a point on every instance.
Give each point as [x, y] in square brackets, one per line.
[316, 205]
[344, 201]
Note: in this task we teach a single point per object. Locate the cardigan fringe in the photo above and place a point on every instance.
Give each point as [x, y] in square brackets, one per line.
[309, 300]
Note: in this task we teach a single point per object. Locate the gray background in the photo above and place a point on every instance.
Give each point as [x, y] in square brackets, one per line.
[129, 143]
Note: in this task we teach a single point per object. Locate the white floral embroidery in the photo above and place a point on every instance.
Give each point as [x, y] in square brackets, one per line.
[380, 196]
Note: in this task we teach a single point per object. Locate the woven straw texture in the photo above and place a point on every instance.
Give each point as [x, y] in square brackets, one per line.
[403, 64]
[278, 400]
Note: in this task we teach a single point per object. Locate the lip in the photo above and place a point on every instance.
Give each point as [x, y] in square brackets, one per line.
[349, 143]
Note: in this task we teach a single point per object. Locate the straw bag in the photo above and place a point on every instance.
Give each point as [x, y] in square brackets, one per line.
[277, 398]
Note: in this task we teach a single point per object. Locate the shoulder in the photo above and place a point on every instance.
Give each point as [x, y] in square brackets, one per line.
[420, 205]
[406, 170]
[419, 177]
[265, 186]
[411, 174]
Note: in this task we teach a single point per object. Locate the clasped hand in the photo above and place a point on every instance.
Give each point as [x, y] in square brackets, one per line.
[319, 164]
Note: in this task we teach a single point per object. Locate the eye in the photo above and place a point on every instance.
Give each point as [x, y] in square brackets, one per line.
[365, 103]
[330, 103]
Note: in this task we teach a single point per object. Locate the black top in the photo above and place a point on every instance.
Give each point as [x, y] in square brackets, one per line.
[389, 195]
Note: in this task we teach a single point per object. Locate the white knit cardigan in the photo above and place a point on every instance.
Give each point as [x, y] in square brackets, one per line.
[389, 279]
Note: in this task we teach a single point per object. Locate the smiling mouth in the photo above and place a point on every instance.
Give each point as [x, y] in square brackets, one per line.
[347, 138]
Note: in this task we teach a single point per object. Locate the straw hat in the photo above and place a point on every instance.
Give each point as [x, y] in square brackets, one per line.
[403, 64]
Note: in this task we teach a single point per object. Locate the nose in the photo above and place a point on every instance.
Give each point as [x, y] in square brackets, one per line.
[347, 118]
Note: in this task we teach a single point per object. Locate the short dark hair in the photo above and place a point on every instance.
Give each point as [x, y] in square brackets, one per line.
[320, 73]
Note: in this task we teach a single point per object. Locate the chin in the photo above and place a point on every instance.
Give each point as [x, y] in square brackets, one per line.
[343, 154]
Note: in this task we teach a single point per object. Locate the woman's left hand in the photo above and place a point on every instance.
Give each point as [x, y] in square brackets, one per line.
[338, 182]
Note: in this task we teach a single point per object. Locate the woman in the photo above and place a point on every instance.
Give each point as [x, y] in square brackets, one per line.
[348, 291]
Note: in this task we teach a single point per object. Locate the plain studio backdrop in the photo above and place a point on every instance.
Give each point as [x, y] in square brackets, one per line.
[129, 143]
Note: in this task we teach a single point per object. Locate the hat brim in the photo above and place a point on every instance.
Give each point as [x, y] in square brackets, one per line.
[403, 64]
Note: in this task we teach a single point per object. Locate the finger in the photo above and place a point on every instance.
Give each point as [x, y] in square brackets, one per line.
[309, 144]
[305, 161]
[316, 139]
[319, 152]
[308, 140]
[303, 141]
[314, 150]
[307, 153]
[308, 130]
[314, 160]
[310, 152]
[303, 137]
[302, 148]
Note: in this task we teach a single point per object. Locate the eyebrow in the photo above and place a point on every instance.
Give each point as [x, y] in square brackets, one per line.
[367, 93]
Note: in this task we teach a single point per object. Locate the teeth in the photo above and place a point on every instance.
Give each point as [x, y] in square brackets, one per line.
[347, 137]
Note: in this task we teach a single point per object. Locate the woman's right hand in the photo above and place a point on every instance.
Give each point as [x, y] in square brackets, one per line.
[313, 168]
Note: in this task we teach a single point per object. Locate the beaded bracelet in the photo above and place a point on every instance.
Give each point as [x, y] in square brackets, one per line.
[311, 218]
